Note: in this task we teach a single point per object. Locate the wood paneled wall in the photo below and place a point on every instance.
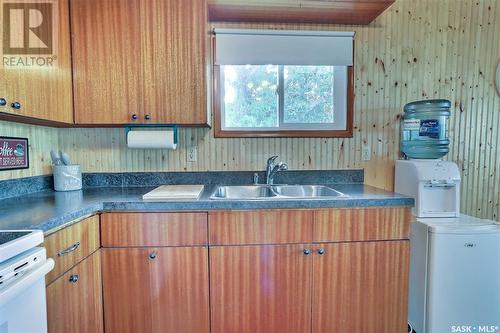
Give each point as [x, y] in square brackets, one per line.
[415, 50]
[41, 141]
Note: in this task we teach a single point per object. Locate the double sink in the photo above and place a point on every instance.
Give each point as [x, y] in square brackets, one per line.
[262, 192]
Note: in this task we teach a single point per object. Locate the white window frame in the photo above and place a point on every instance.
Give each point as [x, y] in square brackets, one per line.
[340, 106]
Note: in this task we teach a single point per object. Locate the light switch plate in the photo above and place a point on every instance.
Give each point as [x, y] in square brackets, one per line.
[366, 153]
[192, 153]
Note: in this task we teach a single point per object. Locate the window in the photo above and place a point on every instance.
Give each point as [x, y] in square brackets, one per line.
[269, 93]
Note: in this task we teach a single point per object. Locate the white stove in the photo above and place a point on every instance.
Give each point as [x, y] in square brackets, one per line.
[14, 242]
[23, 267]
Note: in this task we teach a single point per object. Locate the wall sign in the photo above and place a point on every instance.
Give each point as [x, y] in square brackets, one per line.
[13, 153]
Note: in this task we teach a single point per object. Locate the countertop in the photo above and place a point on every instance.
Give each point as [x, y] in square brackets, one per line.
[49, 210]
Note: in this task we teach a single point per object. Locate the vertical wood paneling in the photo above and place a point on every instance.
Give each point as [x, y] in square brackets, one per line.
[415, 50]
[41, 141]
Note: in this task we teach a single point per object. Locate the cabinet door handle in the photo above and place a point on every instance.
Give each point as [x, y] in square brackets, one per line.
[134, 117]
[147, 117]
[74, 278]
[69, 249]
[3, 102]
[307, 252]
[321, 252]
[153, 255]
[16, 105]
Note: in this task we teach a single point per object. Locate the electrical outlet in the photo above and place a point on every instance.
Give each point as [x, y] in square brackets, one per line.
[192, 154]
[366, 153]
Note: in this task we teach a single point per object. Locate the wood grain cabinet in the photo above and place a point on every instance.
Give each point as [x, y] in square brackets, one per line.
[140, 61]
[349, 274]
[36, 85]
[74, 292]
[150, 285]
[265, 288]
[74, 301]
[360, 287]
[71, 245]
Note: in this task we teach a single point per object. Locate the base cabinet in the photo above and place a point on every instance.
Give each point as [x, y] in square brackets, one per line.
[74, 301]
[360, 287]
[267, 271]
[260, 289]
[350, 274]
[156, 290]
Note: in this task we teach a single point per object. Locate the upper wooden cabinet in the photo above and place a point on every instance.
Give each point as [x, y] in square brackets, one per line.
[298, 11]
[35, 76]
[140, 61]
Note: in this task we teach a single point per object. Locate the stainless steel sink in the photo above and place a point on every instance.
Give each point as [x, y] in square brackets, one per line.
[243, 192]
[306, 191]
[261, 192]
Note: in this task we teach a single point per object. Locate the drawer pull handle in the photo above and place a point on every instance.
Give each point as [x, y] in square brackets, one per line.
[74, 278]
[153, 255]
[69, 249]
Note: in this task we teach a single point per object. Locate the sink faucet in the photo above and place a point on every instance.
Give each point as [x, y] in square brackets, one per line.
[272, 168]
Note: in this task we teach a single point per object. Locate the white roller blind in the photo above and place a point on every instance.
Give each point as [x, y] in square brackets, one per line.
[279, 47]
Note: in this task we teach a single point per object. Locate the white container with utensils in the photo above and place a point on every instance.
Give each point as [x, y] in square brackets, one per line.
[67, 177]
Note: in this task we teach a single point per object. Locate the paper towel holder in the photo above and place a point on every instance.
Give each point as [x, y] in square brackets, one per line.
[129, 128]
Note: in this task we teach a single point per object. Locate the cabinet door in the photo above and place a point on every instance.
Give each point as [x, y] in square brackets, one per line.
[264, 288]
[360, 287]
[74, 301]
[174, 39]
[107, 63]
[156, 290]
[40, 83]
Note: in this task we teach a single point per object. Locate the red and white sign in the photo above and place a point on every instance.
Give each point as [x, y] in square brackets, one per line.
[13, 153]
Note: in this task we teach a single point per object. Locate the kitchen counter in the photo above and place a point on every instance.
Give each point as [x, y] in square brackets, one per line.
[49, 211]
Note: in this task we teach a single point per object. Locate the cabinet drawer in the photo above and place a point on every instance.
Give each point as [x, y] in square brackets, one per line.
[260, 227]
[153, 229]
[71, 245]
[74, 301]
[369, 224]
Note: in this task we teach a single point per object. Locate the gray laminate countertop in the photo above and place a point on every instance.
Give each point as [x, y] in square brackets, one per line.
[49, 210]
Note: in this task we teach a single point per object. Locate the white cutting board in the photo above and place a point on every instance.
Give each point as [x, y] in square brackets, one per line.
[168, 192]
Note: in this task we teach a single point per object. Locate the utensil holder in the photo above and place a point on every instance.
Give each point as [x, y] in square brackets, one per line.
[67, 178]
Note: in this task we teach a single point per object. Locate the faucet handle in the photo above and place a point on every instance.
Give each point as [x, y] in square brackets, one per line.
[271, 159]
[282, 166]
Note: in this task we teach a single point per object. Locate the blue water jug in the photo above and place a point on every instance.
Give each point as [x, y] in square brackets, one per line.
[424, 132]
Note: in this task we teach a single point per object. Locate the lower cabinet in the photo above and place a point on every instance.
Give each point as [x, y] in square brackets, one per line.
[163, 289]
[338, 287]
[360, 287]
[276, 271]
[265, 288]
[74, 300]
[351, 275]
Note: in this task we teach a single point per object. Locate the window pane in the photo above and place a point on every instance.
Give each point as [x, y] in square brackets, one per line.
[308, 94]
[250, 98]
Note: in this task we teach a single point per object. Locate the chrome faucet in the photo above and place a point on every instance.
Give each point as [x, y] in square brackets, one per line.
[272, 168]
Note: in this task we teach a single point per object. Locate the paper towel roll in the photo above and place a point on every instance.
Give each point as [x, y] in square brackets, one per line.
[163, 139]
